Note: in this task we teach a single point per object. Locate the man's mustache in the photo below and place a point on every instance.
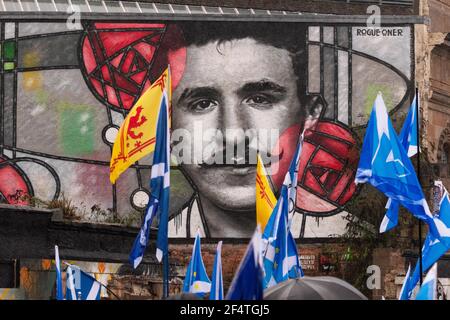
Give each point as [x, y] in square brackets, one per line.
[233, 156]
[220, 159]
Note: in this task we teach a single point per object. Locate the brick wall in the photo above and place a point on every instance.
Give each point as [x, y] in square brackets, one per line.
[392, 265]
[317, 260]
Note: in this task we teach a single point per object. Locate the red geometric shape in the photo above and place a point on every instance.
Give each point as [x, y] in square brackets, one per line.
[327, 166]
[116, 61]
[312, 183]
[340, 148]
[128, 61]
[333, 130]
[155, 38]
[111, 93]
[124, 83]
[309, 202]
[284, 150]
[97, 85]
[146, 85]
[347, 195]
[146, 50]
[89, 58]
[326, 160]
[140, 62]
[126, 98]
[331, 180]
[105, 74]
[318, 172]
[324, 177]
[122, 55]
[114, 41]
[339, 188]
[138, 77]
[12, 185]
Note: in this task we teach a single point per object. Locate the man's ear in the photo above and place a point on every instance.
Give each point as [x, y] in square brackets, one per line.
[315, 106]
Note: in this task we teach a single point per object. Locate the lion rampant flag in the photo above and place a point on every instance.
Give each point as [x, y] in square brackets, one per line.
[137, 135]
[265, 199]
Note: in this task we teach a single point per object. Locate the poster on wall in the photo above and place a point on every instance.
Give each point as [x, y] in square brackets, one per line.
[239, 88]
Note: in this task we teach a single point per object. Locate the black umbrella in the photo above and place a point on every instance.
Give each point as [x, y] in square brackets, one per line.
[313, 288]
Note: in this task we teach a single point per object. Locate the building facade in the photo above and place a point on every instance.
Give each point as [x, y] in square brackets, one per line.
[68, 82]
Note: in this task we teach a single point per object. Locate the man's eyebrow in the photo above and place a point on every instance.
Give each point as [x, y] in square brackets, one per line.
[199, 92]
[263, 85]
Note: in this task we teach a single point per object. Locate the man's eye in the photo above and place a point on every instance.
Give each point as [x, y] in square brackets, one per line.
[203, 105]
[259, 100]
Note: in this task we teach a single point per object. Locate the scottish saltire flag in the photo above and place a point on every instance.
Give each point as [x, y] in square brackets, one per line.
[196, 280]
[59, 292]
[390, 219]
[384, 164]
[71, 294]
[408, 139]
[217, 280]
[408, 134]
[428, 290]
[405, 292]
[291, 178]
[247, 283]
[433, 249]
[280, 257]
[81, 285]
[158, 204]
[286, 203]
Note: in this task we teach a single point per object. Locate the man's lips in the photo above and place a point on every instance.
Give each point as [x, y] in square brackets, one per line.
[235, 169]
[242, 171]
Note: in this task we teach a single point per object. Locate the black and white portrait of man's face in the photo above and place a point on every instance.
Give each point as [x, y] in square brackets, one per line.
[231, 87]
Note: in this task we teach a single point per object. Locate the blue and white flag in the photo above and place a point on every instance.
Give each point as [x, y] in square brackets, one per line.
[385, 165]
[247, 283]
[196, 280]
[408, 139]
[428, 290]
[433, 249]
[408, 134]
[280, 255]
[217, 280]
[59, 290]
[405, 292]
[291, 178]
[81, 285]
[158, 204]
[285, 204]
[280, 258]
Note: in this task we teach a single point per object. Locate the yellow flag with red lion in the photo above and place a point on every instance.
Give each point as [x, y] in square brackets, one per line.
[137, 135]
[265, 199]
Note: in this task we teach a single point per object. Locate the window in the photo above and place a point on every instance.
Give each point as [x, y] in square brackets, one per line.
[9, 274]
[445, 157]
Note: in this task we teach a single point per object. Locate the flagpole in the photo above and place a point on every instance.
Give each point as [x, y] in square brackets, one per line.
[109, 290]
[166, 274]
[418, 174]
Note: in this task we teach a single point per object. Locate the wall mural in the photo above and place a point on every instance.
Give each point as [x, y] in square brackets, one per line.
[64, 94]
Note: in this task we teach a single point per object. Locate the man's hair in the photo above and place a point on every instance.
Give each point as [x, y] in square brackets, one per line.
[286, 35]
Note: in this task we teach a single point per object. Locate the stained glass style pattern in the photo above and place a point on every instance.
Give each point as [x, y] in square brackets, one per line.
[64, 94]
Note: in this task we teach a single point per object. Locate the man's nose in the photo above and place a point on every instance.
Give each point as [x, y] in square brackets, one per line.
[233, 122]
